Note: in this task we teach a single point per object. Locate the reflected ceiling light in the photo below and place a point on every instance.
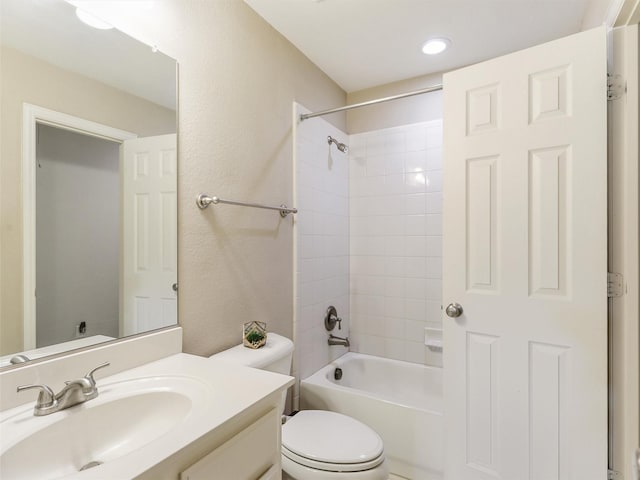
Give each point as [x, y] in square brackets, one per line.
[92, 20]
[435, 46]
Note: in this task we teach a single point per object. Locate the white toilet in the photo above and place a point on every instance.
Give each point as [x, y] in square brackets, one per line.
[316, 444]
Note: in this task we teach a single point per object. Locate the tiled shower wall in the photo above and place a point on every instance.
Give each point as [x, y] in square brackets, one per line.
[395, 198]
[321, 242]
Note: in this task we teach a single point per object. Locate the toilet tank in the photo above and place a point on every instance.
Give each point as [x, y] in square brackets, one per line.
[274, 356]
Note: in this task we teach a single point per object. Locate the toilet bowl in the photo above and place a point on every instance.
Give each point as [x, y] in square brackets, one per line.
[316, 444]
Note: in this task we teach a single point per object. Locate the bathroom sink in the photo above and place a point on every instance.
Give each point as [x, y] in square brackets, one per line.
[126, 416]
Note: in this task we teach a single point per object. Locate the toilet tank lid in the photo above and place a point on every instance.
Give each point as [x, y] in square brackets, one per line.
[277, 347]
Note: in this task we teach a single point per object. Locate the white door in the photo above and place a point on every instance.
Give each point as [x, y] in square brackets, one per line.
[149, 234]
[525, 255]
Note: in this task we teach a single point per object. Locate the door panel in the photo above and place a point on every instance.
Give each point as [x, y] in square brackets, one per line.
[525, 255]
[149, 233]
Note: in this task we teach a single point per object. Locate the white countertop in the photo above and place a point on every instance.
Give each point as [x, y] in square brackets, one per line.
[227, 391]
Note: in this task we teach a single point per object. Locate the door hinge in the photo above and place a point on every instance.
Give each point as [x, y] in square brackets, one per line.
[616, 86]
[615, 285]
[613, 475]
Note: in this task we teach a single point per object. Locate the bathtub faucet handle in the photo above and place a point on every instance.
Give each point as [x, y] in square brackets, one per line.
[331, 318]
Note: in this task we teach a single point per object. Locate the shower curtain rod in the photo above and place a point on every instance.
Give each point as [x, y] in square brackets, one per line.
[434, 88]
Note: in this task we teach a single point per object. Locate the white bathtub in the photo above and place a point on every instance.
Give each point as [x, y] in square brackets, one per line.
[401, 401]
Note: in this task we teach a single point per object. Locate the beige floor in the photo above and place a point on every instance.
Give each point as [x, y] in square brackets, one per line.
[395, 477]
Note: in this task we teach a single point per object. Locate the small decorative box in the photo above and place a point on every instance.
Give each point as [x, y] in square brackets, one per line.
[254, 334]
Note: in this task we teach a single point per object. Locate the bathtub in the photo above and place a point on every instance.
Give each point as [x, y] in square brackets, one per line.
[401, 401]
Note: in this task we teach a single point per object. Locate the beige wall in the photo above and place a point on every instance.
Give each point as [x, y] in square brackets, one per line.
[238, 79]
[419, 108]
[28, 80]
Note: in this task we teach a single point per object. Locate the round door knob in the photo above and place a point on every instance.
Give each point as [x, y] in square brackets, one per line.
[454, 310]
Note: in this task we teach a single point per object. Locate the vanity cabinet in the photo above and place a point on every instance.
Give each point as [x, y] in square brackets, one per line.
[251, 454]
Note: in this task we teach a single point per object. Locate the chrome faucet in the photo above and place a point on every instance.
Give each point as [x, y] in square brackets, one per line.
[333, 340]
[73, 393]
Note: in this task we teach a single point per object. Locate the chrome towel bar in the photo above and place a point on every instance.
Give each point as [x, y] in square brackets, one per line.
[204, 200]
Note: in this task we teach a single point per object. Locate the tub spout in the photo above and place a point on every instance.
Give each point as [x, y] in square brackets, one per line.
[334, 340]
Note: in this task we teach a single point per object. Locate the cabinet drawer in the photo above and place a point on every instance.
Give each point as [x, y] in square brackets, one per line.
[251, 454]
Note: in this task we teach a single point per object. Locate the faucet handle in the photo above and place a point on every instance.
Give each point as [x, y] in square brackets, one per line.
[89, 376]
[46, 398]
[331, 318]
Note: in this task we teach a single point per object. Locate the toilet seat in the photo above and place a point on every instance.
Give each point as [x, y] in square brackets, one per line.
[331, 442]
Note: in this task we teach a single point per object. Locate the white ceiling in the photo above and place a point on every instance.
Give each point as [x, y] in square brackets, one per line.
[365, 43]
[50, 30]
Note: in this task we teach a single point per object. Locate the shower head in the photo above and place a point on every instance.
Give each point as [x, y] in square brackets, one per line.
[341, 146]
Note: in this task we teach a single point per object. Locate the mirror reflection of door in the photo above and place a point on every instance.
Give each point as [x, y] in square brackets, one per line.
[77, 236]
[149, 238]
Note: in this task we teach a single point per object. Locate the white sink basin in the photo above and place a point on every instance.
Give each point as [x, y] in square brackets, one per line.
[127, 416]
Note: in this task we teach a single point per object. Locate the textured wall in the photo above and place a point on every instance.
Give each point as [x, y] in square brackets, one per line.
[238, 79]
[419, 108]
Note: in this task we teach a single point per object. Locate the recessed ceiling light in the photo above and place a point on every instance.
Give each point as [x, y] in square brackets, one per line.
[92, 20]
[435, 46]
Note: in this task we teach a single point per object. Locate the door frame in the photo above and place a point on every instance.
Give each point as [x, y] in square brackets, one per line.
[624, 241]
[32, 115]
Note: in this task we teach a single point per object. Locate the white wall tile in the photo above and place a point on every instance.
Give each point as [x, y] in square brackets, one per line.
[414, 331]
[434, 134]
[415, 224]
[416, 246]
[375, 145]
[394, 184]
[394, 266]
[434, 267]
[394, 246]
[394, 309]
[394, 327]
[415, 182]
[433, 289]
[434, 312]
[433, 158]
[394, 349]
[322, 238]
[370, 231]
[414, 204]
[394, 286]
[415, 309]
[387, 205]
[396, 240]
[434, 181]
[417, 288]
[434, 246]
[433, 202]
[416, 267]
[415, 161]
[416, 137]
[395, 162]
[433, 224]
[394, 142]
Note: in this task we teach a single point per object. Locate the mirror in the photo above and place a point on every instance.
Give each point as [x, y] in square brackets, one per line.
[88, 249]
